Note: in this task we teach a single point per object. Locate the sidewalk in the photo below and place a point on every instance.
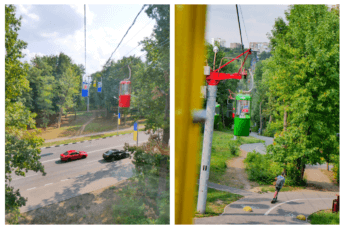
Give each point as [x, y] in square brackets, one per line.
[87, 135]
[285, 211]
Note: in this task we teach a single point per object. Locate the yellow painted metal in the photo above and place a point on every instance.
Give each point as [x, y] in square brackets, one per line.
[119, 121]
[189, 77]
[135, 135]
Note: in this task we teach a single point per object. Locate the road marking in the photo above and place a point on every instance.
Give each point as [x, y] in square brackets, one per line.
[24, 177]
[92, 161]
[48, 184]
[79, 176]
[92, 151]
[296, 200]
[30, 189]
[65, 180]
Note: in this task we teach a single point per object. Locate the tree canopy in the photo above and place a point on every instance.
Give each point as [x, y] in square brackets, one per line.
[303, 78]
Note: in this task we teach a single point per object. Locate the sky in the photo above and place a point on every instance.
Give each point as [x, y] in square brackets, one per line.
[51, 29]
[258, 21]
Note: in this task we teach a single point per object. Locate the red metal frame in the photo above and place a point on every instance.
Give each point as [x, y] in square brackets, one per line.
[215, 76]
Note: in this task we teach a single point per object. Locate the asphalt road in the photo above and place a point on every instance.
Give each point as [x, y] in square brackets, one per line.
[65, 180]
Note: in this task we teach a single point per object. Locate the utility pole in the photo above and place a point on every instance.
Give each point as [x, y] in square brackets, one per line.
[212, 78]
[88, 95]
[207, 144]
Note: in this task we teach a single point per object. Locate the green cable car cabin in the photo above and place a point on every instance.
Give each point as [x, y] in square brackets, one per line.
[242, 115]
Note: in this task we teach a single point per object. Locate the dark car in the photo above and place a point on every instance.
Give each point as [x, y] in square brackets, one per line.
[115, 154]
[72, 155]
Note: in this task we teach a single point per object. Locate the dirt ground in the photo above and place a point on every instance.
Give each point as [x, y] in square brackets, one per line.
[91, 208]
[236, 175]
[320, 179]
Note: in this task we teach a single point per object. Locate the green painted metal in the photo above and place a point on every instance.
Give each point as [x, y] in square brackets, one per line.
[243, 97]
[242, 125]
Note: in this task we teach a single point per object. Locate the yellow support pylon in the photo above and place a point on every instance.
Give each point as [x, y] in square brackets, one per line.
[189, 77]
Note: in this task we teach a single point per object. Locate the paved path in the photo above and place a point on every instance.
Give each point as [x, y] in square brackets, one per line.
[230, 189]
[289, 205]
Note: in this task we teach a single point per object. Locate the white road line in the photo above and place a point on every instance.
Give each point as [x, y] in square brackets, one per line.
[48, 184]
[92, 161]
[65, 180]
[296, 200]
[24, 177]
[30, 189]
[92, 151]
[79, 176]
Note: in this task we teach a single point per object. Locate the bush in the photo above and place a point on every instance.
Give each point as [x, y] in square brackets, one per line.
[233, 149]
[255, 129]
[147, 201]
[271, 130]
[261, 168]
[335, 169]
[293, 176]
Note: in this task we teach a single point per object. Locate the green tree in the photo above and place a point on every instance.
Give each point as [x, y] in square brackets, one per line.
[21, 146]
[155, 76]
[303, 76]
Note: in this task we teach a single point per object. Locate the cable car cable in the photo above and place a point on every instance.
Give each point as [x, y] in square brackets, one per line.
[244, 26]
[125, 34]
[239, 26]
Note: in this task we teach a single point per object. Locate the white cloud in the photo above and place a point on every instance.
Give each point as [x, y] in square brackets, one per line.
[49, 35]
[29, 55]
[24, 11]
[79, 9]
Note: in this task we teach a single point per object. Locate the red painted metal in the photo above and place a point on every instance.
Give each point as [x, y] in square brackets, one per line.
[215, 76]
[125, 101]
[125, 94]
[336, 204]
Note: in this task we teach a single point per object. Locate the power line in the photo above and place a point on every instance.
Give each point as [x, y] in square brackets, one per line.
[139, 31]
[125, 34]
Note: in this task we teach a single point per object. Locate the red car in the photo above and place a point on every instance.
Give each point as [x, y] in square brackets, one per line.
[72, 155]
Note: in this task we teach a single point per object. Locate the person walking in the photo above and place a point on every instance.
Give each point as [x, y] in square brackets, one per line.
[280, 180]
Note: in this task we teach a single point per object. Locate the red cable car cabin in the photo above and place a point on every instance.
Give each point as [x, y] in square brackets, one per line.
[125, 94]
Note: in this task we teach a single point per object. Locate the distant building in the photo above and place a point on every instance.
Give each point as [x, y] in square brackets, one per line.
[260, 47]
[235, 45]
[221, 41]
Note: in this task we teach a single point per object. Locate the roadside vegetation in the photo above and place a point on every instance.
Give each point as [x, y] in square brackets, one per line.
[216, 202]
[148, 200]
[48, 144]
[263, 170]
[324, 217]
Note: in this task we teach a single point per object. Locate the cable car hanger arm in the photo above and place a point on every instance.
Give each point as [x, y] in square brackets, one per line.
[249, 51]
[216, 76]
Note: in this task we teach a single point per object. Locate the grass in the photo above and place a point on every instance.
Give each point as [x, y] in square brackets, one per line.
[324, 217]
[87, 138]
[221, 152]
[216, 202]
[101, 124]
